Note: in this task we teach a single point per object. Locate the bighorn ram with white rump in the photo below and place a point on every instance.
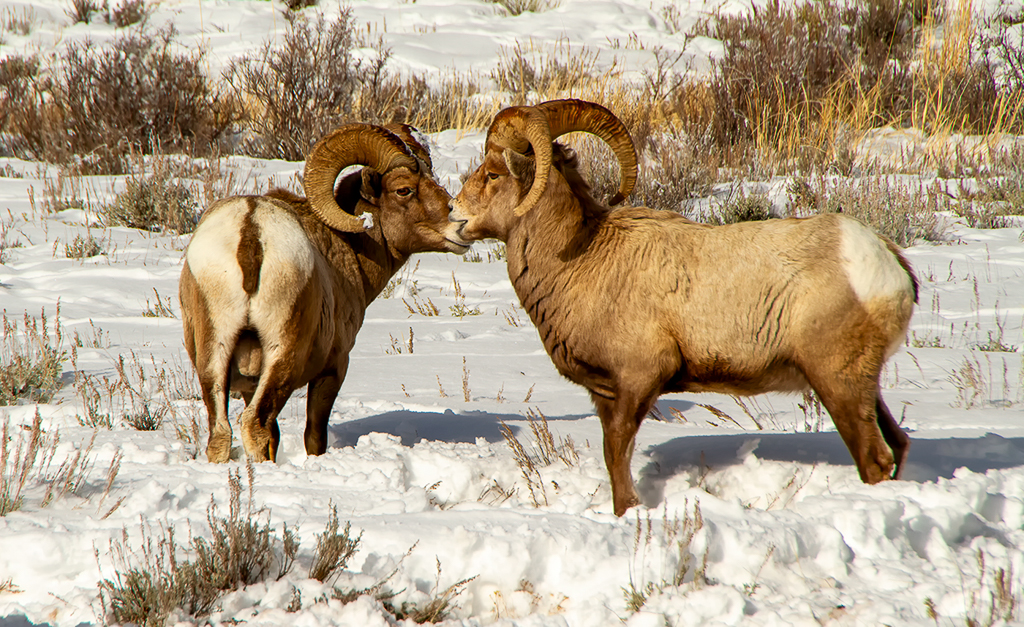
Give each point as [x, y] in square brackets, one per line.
[274, 287]
[632, 303]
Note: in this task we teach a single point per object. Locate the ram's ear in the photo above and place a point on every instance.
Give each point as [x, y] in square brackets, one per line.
[372, 186]
[519, 165]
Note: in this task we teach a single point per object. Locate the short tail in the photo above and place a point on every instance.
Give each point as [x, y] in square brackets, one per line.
[898, 253]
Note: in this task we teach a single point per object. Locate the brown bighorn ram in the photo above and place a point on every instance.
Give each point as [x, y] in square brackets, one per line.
[632, 303]
[274, 287]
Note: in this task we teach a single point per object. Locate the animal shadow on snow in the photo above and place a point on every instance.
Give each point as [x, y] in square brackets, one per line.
[929, 458]
[414, 426]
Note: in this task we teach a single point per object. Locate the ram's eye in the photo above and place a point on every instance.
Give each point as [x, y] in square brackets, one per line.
[404, 192]
[493, 176]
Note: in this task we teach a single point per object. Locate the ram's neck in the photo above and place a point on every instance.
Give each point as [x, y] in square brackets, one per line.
[363, 263]
[557, 228]
[378, 261]
[544, 244]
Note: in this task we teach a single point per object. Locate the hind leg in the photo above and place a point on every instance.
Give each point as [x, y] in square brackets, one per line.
[852, 404]
[207, 345]
[211, 363]
[215, 397]
[893, 434]
[261, 435]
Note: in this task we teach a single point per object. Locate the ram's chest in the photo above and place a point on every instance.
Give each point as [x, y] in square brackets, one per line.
[565, 329]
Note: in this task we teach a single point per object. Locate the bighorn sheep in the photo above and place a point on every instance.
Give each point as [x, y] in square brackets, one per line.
[275, 287]
[632, 303]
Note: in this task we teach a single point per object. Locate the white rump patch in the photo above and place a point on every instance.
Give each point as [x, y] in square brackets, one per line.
[287, 252]
[289, 260]
[212, 252]
[873, 270]
[212, 259]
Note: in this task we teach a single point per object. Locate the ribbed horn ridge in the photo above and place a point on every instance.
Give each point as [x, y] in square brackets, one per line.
[567, 116]
[519, 129]
[353, 144]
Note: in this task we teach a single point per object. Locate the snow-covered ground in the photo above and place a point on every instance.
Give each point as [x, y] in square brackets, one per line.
[785, 532]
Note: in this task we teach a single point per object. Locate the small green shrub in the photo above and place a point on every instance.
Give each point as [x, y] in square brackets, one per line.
[130, 12]
[742, 207]
[30, 362]
[153, 203]
[81, 11]
[82, 247]
[518, 7]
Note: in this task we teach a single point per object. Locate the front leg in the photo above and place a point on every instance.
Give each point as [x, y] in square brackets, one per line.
[320, 396]
[620, 420]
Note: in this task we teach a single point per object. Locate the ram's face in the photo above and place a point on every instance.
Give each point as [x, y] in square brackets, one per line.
[484, 207]
[414, 213]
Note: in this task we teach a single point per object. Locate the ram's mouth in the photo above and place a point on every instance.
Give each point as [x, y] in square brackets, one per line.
[460, 245]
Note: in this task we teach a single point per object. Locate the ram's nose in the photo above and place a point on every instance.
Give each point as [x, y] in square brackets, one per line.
[454, 215]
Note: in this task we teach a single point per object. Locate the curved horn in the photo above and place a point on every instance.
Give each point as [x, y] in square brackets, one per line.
[354, 144]
[566, 116]
[519, 129]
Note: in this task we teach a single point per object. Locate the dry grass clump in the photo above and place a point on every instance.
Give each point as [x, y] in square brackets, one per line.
[889, 207]
[795, 85]
[128, 13]
[673, 170]
[99, 105]
[435, 610]
[17, 463]
[153, 581]
[300, 90]
[777, 64]
[314, 81]
[545, 451]
[525, 71]
[298, 5]
[19, 21]
[998, 193]
[83, 247]
[333, 549]
[18, 75]
[675, 538]
[33, 459]
[141, 396]
[81, 11]
[150, 583]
